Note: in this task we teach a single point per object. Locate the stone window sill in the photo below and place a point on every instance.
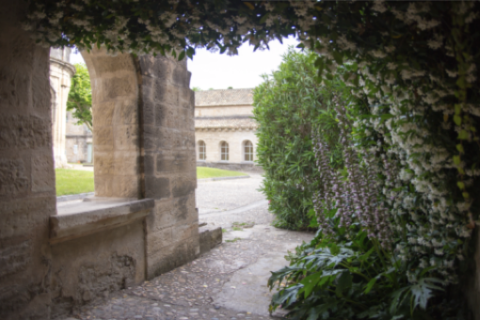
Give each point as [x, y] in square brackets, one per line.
[92, 215]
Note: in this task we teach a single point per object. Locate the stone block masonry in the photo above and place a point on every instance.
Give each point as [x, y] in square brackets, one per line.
[27, 180]
[169, 163]
[144, 147]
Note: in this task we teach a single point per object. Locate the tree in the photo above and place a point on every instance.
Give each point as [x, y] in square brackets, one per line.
[196, 89]
[80, 97]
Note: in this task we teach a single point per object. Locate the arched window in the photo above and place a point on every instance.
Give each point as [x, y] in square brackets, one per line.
[224, 151]
[202, 150]
[248, 151]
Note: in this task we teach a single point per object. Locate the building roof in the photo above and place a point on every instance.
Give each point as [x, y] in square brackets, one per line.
[227, 97]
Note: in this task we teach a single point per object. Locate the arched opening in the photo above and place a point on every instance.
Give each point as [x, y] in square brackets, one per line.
[202, 150]
[115, 147]
[247, 151]
[224, 152]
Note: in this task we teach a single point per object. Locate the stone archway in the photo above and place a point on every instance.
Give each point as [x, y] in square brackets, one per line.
[116, 134]
[143, 109]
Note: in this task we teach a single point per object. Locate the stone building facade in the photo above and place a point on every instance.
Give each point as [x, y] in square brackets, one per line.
[61, 73]
[78, 141]
[225, 130]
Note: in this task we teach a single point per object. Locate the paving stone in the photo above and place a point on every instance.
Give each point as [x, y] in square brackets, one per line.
[195, 290]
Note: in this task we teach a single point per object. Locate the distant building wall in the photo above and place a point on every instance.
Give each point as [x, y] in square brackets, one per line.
[61, 73]
[79, 141]
[225, 116]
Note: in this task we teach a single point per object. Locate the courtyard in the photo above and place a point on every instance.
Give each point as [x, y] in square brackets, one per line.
[228, 282]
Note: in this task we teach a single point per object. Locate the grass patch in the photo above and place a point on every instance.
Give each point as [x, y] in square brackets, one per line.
[73, 181]
[79, 181]
[237, 229]
[204, 172]
[234, 240]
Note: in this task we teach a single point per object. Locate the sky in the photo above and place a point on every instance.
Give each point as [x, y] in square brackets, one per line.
[212, 70]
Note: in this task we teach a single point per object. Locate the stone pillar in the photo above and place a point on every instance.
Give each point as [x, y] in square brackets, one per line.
[168, 144]
[61, 73]
[27, 178]
[115, 105]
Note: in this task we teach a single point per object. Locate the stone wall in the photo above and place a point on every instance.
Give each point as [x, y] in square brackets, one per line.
[94, 266]
[27, 179]
[169, 163]
[144, 148]
[77, 135]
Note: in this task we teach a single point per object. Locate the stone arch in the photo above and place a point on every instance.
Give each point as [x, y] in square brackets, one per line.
[116, 133]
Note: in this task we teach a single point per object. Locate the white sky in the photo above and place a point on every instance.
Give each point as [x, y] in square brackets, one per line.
[219, 71]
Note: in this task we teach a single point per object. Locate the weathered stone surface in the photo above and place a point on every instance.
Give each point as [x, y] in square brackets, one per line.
[103, 137]
[94, 266]
[184, 209]
[15, 258]
[110, 66]
[126, 112]
[209, 237]
[184, 186]
[116, 87]
[126, 137]
[39, 280]
[19, 217]
[42, 173]
[13, 177]
[103, 114]
[157, 67]
[95, 215]
[157, 188]
[159, 90]
[25, 133]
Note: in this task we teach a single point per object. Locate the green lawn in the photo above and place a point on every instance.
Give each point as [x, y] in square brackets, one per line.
[77, 181]
[73, 181]
[204, 172]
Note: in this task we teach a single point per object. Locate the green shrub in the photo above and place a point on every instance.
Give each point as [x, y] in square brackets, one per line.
[343, 277]
[289, 105]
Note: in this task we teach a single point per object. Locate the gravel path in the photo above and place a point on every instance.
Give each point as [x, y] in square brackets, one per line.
[224, 195]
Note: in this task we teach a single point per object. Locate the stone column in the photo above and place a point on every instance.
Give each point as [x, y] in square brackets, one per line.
[61, 73]
[168, 144]
[27, 179]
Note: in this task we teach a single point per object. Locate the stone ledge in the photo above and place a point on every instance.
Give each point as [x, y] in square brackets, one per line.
[71, 197]
[209, 237]
[74, 220]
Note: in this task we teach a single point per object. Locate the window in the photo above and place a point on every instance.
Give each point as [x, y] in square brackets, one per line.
[224, 151]
[248, 151]
[202, 150]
